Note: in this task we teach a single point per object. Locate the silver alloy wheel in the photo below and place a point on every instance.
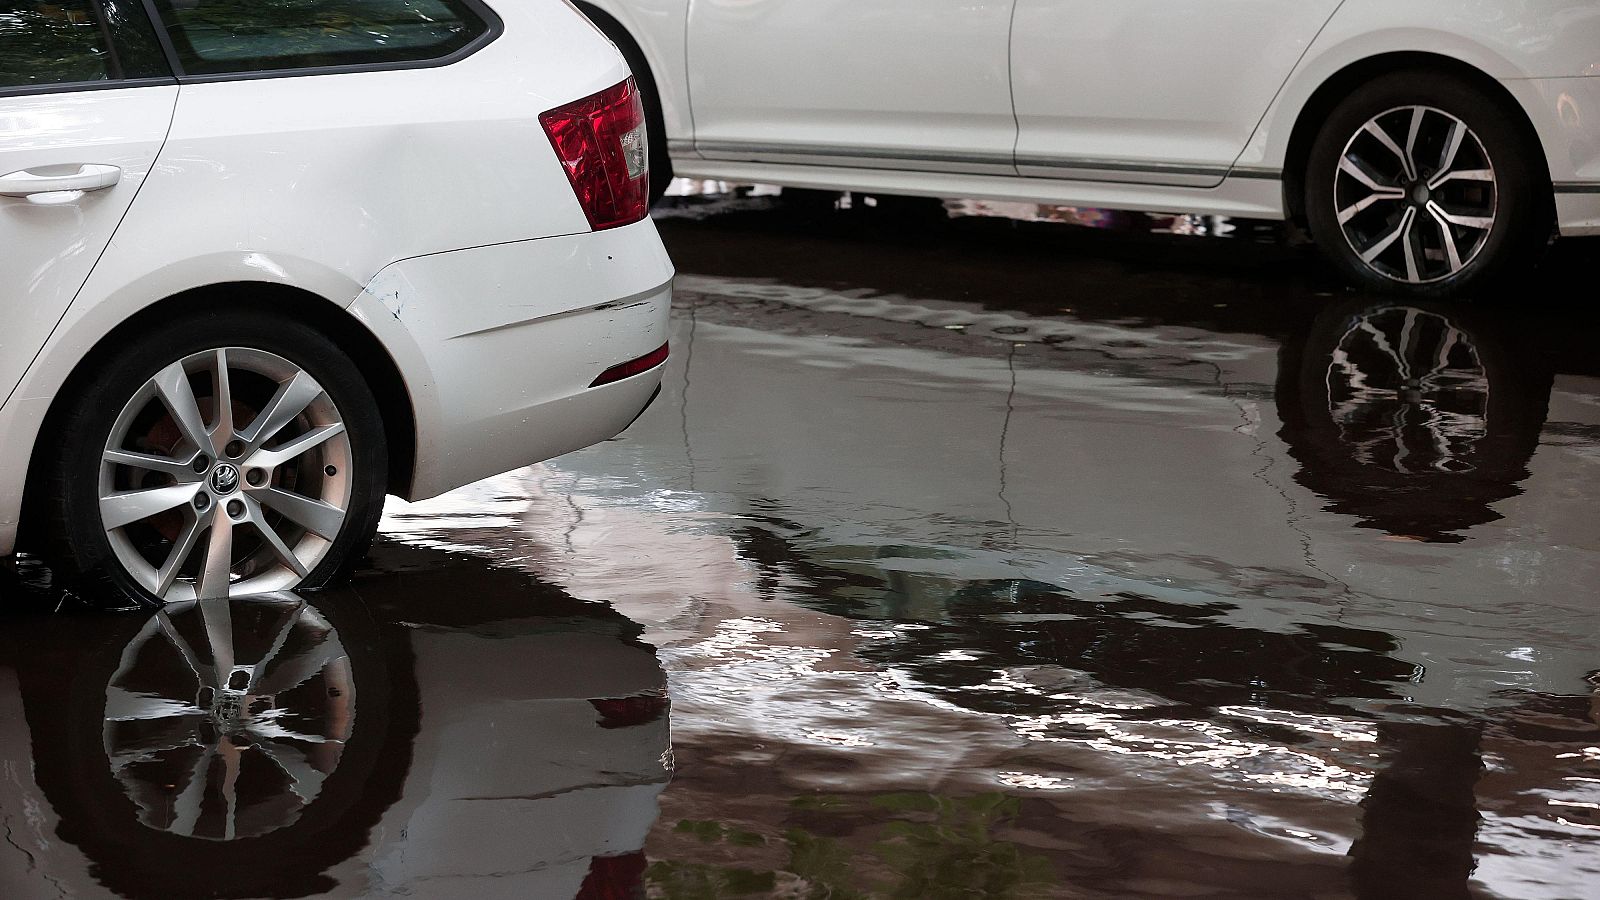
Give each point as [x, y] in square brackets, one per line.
[227, 473]
[1416, 195]
[222, 731]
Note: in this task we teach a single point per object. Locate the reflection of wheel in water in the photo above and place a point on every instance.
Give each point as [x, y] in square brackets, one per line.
[223, 720]
[302, 764]
[1414, 418]
[1408, 391]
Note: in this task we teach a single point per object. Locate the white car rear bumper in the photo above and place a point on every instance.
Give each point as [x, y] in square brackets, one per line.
[499, 345]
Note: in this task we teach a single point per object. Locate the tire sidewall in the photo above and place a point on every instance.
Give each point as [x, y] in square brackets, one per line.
[81, 547]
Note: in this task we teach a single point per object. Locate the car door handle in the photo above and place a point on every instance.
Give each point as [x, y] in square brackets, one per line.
[89, 177]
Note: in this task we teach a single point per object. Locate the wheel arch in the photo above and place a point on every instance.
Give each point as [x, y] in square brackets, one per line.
[1322, 101]
[377, 366]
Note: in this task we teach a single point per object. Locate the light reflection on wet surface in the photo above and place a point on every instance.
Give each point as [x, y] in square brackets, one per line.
[983, 558]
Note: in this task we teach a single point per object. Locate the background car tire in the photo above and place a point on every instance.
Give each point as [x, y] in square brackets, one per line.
[655, 119]
[77, 545]
[1522, 215]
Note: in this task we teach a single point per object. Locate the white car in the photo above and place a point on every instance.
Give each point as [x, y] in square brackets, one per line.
[1428, 144]
[263, 262]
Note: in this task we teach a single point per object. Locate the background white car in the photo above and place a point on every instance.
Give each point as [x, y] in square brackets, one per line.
[1429, 144]
[263, 261]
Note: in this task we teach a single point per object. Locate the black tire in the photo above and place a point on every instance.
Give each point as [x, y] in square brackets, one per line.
[1523, 213]
[77, 547]
[655, 120]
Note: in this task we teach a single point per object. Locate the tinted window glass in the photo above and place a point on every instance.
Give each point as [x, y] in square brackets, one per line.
[216, 37]
[56, 42]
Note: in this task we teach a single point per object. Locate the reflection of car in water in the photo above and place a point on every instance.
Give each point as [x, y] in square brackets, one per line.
[375, 740]
[1414, 419]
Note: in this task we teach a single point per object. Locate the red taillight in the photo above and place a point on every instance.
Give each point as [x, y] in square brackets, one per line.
[632, 367]
[601, 142]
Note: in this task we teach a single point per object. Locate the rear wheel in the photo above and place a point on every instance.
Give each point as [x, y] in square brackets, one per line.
[1422, 184]
[223, 455]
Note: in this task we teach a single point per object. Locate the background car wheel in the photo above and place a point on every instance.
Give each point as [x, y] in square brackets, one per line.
[655, 120]
[1422, 184]
[225, 454]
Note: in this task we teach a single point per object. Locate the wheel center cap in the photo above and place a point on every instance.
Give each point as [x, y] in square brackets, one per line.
[1420, 193]
[224, 479]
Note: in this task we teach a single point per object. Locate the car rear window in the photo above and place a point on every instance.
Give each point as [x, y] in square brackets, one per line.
[225, 37]
[57, 42]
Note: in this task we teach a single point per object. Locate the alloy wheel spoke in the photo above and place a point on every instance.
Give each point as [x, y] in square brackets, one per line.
[278, 642]
[1377, 131]
[1354, 169]
[181, 469]
[164, 736]
[1400, 231]
[1408, 244]
[296, 670]
[222, 428]
[1447, 237]
[316, 437]
[172, 384]
[1365, 203]
[1458, 135]
[1444, 178]
[1481, 223]
[217, 615]
[170, 632]
[1418, 114]
[305, 780]
[186, 808]
[216, 569]
[290, 401]
[317, 517]
[123, 705]
[123, 508]
[257, 517]
[167, 575]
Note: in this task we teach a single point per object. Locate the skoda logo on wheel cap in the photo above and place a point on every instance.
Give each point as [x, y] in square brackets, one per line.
[224, 479]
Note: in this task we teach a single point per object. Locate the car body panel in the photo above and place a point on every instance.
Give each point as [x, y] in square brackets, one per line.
[923, 82]
[1166, 107]
[51, 242]
[484, 402]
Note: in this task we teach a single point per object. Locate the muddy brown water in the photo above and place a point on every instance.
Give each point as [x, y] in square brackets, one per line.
[961, 556]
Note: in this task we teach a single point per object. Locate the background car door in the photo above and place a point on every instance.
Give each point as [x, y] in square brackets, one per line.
[1151, 91]
[81, 121]
[924, 83]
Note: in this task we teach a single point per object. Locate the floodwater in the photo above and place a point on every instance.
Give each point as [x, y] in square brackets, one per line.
[964, 554]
